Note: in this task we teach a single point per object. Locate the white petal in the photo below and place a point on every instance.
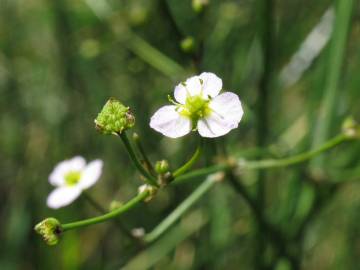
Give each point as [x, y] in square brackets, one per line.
[211, 83]
[62, 196]
[56, 177]
[193, 85]
[170, 123]
[77, 163]
[227, 113]
[90, 174]
[180, 93]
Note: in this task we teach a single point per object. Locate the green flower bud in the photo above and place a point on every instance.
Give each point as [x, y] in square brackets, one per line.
[351, 128]
[50, 229]
[198, 5]
[150, 189]
[115, 205]
[187, 44]
[114, 118]
[162, 166]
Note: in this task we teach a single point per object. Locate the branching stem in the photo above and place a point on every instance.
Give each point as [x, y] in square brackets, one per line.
[148, 177]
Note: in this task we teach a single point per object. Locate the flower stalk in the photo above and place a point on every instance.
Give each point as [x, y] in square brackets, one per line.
[182, 177]
[115, 213]
[145, 160]
[187, 166]
[148, 177]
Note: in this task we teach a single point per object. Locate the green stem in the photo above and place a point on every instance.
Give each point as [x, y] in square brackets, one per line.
[102, 210]
[148, 177]
[264, 164]
[146, 160]
[275, 163]
[199, 173]
[191, 162]
[117, 212]
[180, 210]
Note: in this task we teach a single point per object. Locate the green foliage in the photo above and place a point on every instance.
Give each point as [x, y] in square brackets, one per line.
[61, 60]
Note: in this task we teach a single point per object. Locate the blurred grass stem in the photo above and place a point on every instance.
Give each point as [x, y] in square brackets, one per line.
[180, 210]
[337, 48]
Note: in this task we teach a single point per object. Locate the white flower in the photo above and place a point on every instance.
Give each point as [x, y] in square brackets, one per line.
[71, 177]
[199, 107]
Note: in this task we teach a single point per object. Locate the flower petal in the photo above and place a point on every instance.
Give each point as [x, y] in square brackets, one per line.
[77, 163]
[90, 174]
[170, 123]
[62, 196]
[193, 85]
[211, 84]
[180, 93]
[56, 177]
[227, 113]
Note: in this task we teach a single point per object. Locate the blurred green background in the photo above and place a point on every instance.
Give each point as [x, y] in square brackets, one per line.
[61, 60]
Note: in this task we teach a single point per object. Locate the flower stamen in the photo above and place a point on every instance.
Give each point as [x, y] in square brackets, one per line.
[72, 178]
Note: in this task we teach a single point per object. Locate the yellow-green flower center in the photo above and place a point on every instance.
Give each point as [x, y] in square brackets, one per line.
[72, 178]
[195, 107]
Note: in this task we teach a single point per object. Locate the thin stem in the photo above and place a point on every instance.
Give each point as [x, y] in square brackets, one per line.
[117, 212]
[263, 164]
[148, 177]
[200, 172]
[180, 210]
[191, 162]
[102, 210]
[275, 163]
[143, 154]
[272, 163]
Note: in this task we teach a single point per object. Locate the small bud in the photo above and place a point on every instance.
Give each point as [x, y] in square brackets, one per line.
[199, 5]
[351, 128]
[115, 205]
[150, 189]
[50, 229]
[114, 118]
[187, 44]
[162, 166]
[138, 232]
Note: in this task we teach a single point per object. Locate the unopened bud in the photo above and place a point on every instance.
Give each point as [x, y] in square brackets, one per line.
[187, 44]
[351, 128]
[150, 189]
[138, 232]
[114, 118]
[50, 229]
[162, 166]
[199, 5]
[115, 205]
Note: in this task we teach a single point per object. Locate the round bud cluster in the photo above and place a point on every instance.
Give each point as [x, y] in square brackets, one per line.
[114, 118]
[50, 230]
